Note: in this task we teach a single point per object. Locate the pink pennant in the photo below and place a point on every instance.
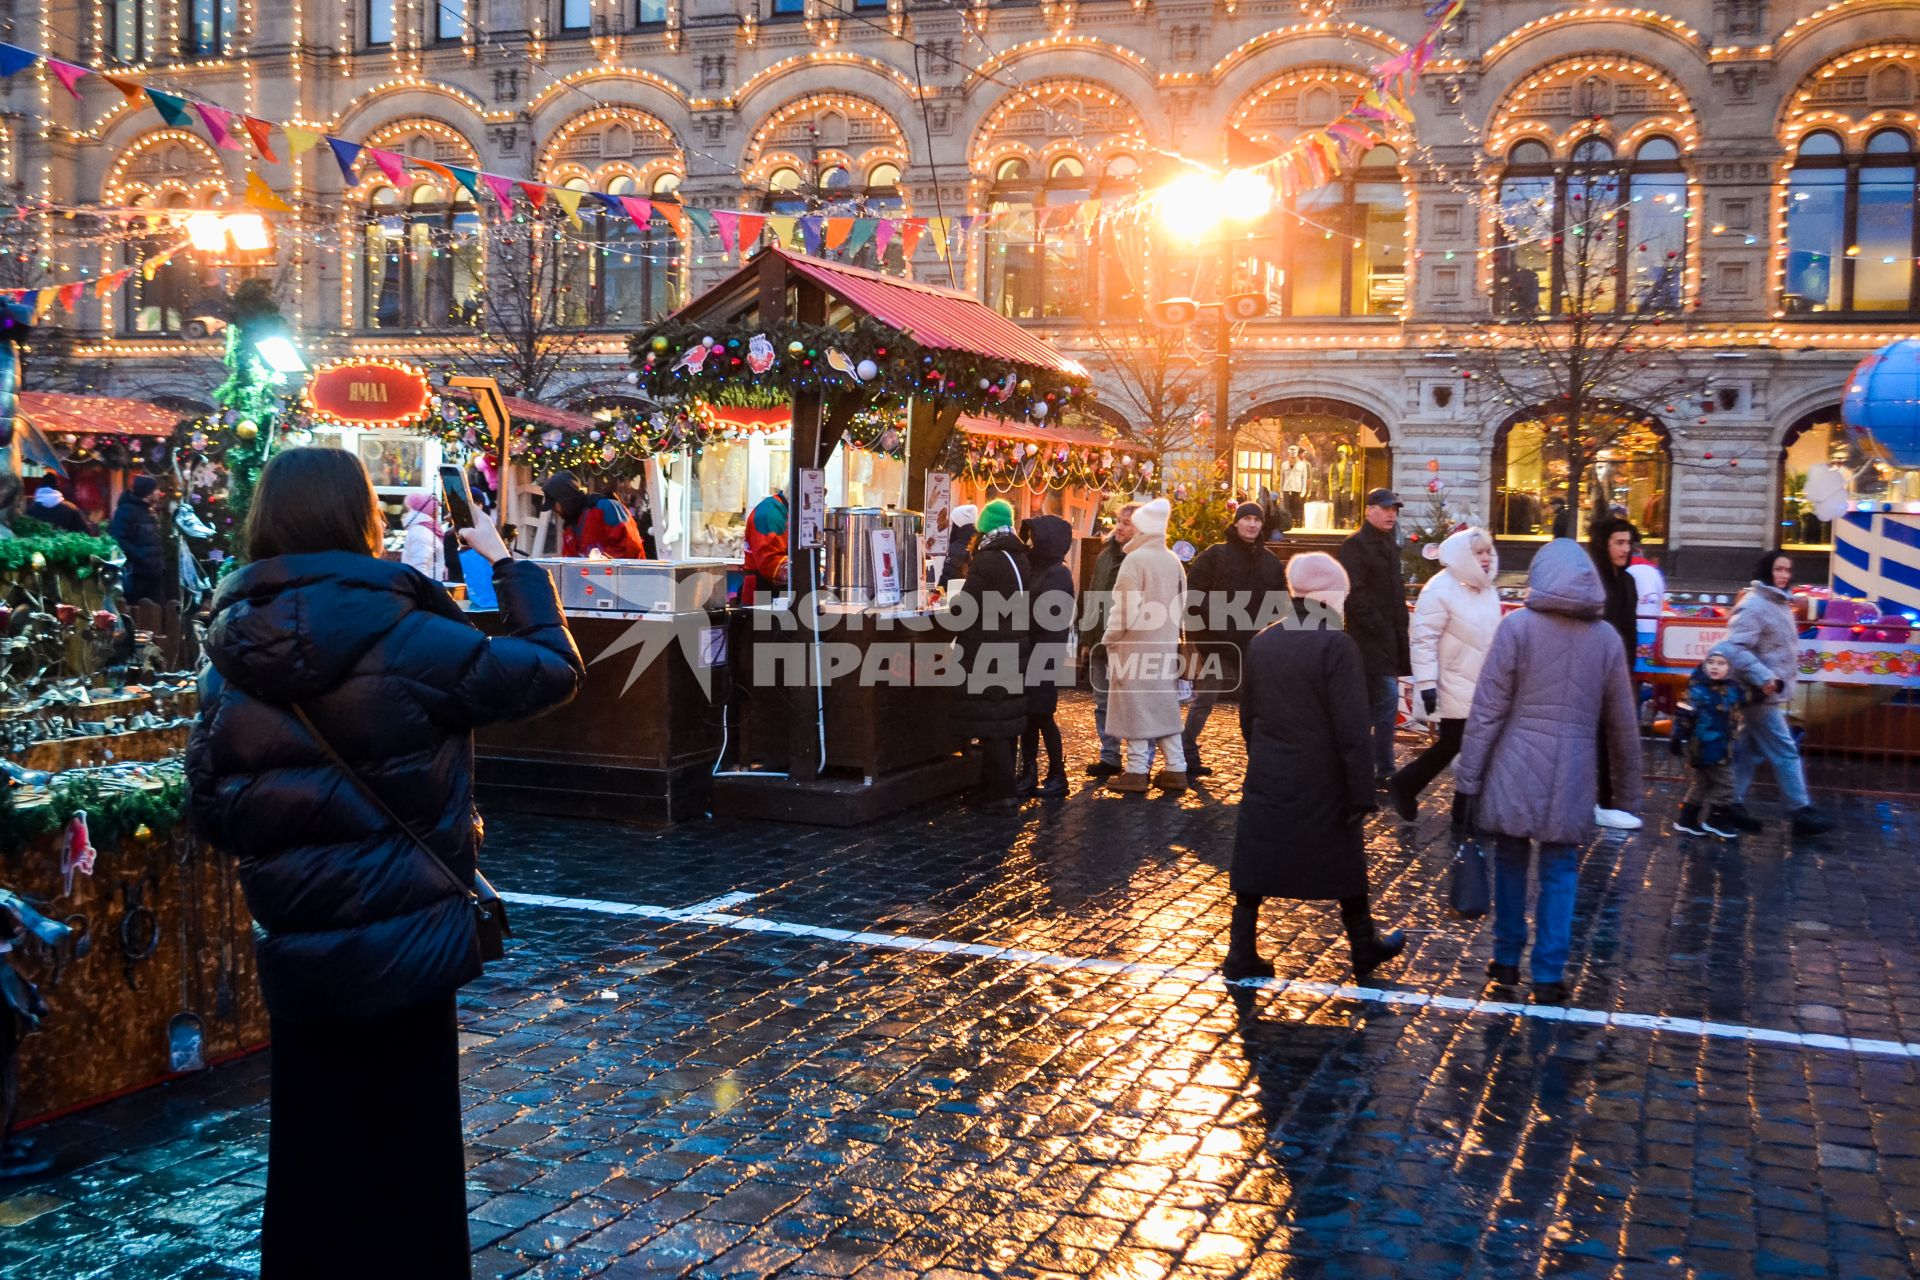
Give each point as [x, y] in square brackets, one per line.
[727, 223]
[641, 211]
[502, 189]
[394, 166]
[883, 236]
[70, 294]
[216, 119]
[69, 75]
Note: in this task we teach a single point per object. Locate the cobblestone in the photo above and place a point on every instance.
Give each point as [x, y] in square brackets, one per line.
[753, 1089]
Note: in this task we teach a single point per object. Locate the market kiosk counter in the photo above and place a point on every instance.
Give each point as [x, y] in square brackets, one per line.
[639, 742]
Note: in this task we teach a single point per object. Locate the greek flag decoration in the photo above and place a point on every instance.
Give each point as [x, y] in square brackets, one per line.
[1876, 557]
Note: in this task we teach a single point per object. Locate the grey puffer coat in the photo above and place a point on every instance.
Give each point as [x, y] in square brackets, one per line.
[1763, 641]
[1555, 671]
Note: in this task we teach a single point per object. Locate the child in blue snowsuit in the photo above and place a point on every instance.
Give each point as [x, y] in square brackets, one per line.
[1715, 697]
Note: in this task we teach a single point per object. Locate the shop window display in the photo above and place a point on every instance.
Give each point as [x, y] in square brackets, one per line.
[1312, 463]
[420, 265]
[1531, 472]
[1851, 232]
[1819, 438]
[1340, 251]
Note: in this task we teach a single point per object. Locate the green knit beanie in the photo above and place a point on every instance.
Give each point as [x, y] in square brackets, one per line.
[997, 514]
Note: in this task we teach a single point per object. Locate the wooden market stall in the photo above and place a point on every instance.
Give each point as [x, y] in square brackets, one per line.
[102, 441]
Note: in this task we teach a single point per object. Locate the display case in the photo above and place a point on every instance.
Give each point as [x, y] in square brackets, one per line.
[637, 588]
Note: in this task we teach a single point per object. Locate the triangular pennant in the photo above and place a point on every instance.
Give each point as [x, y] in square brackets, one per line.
[782, 227]
[70, 294]
[43, 300]
[641, 211]
[347, 153]
[962, 226]
[862, 232]
[262, 134]
[467, 178]
[911, 229]
[746, 232]
[673, 214]
[262, 196]
[810, 232]
[14, 59]
[300, 141]
[68, 74]
[536, 193]
[151, 267]
[702, 220]
[391, 163]
[433, 167]
[502, 189]
[838, 229]
[131, 90]
[883, 236]
[1089, 214]
[937, 228]
[216, 119]
[107, 284]
[727, 224]
[568, 198]
[172, 108]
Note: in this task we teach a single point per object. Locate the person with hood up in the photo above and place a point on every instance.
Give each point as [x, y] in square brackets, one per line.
[425, 547]
[334, 758]
[1309, 787]
[992, 613]
[766, 557]
[1050, 595]
[1142, 640]
[1610, 544]
[1235, 583]
[1376, 617]
[137, 530]
[961, 531]
[1095, 604]
[50, 506]
[1526, 767]
[1763, 642]
[1452, 629]
[592, 523]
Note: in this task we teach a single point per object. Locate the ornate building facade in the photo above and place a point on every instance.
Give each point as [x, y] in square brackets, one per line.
[1768, 146]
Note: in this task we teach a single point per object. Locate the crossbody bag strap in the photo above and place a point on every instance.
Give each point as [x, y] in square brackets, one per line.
[366, 789]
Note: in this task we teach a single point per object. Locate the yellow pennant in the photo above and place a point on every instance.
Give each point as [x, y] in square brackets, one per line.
[261, 196]
[783, 228]
[300, 141]
[569, 199]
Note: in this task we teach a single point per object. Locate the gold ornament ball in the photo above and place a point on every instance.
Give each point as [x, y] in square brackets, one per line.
[1025, 385]
[246, 430]
[795, 347]
[143, 832]
[39, 561]
[659, 343]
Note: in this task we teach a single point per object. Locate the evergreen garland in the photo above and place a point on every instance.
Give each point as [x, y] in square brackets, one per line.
[58, 550]
[113, 813]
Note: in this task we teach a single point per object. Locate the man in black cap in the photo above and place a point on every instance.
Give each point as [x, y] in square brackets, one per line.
[1230, 585]
[1377, 617]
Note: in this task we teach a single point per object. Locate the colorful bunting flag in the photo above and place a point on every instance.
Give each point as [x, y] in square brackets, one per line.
[262, 196]
[299, 140]
[746, 228]
[262, 134]
[811, 233]
[70, 294]
[911, 230]
[641, 211]
[502, 189]
[703, 220]
[863, 229]
[568, 199]
[468, 178]
[14, 59]
[131, 90]
[172, 108]
[782, 227]
[107, 284]
[728, 225]
[391, 164]
[68, 74]
[347, 154]
[216, 119]
[536, 193]
[883, 235]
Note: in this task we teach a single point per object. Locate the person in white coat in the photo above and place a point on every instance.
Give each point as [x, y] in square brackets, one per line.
[1452, 630]
[425, 547]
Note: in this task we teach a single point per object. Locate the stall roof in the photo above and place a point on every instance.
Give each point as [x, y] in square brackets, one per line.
[540, 415]
[58, 411]
[977, 426]
[939, 318]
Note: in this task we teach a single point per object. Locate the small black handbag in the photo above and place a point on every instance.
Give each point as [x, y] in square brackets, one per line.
[489, 909]
[1469, 883]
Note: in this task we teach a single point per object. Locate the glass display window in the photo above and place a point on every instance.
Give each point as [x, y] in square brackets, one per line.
[1818, 438]
[1630, 476]
[1314, 460]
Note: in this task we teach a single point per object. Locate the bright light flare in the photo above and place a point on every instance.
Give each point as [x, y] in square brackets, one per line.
[1195, 203]
[209, 232]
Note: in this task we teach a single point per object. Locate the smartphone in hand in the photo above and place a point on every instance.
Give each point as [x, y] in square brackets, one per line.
[456, 498]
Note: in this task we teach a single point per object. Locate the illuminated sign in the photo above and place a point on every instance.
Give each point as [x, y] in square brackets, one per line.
[369, 393]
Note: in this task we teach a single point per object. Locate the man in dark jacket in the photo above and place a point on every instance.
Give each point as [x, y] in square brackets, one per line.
[592, 522]
[1050, 593]
[1095, 603]
[136, 529]
[1377, 618]
[1610, 544]
[1231, 587]
[50, 506]
[995, 642]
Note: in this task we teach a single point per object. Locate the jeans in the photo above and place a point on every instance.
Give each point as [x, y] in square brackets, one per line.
[1197, 712]
[1097, 676]
[1385, 692]
[1552, 914]
[1765, 735]
[1140, 753]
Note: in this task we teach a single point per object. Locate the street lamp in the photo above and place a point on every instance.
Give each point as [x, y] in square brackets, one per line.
[1194, 206]
[279, 354]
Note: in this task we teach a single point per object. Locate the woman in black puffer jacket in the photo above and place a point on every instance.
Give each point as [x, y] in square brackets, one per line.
[361, 942]
[995, 641]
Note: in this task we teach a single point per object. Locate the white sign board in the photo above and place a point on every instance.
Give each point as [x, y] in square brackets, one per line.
[886, 566]
[939, 512]
[810, 521]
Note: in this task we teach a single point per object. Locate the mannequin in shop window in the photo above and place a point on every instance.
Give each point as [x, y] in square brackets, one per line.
[1342, 480]
[1296, 478]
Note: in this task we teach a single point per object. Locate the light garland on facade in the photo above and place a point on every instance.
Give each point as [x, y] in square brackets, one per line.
[1300, 31]
[1651, 18]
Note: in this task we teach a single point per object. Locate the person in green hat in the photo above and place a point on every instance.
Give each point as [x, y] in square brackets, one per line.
[995, 642]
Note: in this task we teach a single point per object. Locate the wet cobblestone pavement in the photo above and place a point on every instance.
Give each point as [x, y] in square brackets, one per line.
[1027, 1068]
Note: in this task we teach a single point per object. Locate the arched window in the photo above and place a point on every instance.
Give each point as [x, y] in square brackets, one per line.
[1313, 459]
[1851, 234]
[1335, 250]
[618, 274]
[1530, 469]
[1819, 438]
[1037, 258]
[786, 193]
[163, 305]
[421, 259]
[1621, 223]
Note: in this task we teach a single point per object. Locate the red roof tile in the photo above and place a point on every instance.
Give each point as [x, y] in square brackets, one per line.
[1004, 430]
[54, 411]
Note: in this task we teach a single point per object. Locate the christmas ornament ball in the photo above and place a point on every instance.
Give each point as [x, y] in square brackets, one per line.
[795, 347]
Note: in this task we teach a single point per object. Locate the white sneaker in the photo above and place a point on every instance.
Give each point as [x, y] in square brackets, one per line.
[1615, 819]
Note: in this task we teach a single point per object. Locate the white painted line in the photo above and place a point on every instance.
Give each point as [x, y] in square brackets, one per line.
[709, 913]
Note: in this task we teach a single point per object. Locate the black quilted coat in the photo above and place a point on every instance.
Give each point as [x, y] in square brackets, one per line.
[997, 640]
[350, 921]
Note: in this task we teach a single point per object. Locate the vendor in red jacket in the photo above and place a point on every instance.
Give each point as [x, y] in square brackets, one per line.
[592, 523]
[767, 542]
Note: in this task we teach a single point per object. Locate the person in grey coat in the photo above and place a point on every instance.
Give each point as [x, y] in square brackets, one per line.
[1528, 761]
[1309, 785]
[1763, 643]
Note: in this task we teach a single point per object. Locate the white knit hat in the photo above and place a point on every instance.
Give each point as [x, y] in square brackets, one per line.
[1152, 518]
[1315, 575]
[963, 515]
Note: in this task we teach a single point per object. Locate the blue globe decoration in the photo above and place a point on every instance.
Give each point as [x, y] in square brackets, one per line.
[1883, 400]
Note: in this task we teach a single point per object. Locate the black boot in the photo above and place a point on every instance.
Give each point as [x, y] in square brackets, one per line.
[1056, 784]
[1688, 823]
[1371, 948]
[1809, 821]
[1243, 950]
[1737, 814]
[1028, 779]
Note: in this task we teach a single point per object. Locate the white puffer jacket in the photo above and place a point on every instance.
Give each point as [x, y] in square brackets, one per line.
[1453, 626]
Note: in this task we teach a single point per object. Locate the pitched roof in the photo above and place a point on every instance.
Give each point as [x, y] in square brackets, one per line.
[54, 411]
